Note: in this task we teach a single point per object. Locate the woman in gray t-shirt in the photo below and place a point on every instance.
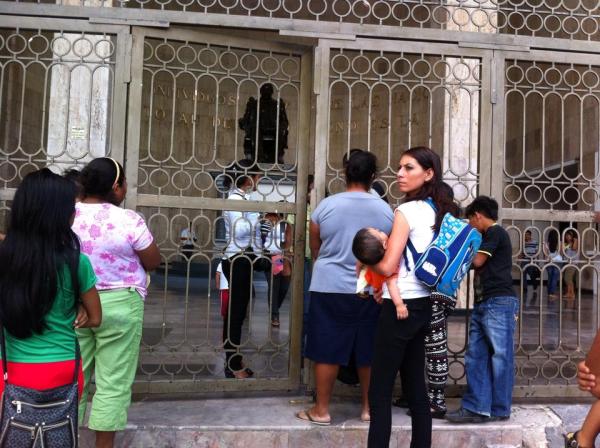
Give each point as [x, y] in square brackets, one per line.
[341, 325]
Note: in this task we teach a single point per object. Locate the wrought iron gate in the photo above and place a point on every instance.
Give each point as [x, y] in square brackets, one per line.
[188, 91]
[507, 92]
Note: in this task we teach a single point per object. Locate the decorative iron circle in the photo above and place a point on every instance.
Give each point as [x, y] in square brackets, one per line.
[400, 12]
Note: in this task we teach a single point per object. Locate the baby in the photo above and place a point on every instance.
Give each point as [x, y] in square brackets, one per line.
[369, 246]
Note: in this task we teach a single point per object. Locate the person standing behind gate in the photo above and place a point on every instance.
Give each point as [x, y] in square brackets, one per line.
[122, 250]
[273, 237]
[240, 228]
[489, 361]
[571, 249]
[340, 322]
[400, 344]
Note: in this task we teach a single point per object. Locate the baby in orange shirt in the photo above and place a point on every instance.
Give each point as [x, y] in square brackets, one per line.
[369, 246]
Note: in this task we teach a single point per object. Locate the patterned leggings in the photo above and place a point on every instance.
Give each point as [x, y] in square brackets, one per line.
[436, 350]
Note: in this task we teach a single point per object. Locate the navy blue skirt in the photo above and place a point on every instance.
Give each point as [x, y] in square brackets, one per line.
[339, 324]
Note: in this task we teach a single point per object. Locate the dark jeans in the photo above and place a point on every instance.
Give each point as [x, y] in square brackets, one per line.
[278, 289]
[238, 271]
[400, 346]
[532, 275]
[553, 277]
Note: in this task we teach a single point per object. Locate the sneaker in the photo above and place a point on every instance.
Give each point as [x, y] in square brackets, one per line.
[463, 415]
[499, 418]
[400, 402]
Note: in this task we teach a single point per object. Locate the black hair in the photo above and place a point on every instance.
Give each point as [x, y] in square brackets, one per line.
[552, 241]
[440, 192]
[238, 173]
[367, 248]
[74, 176]
[349, 154]
[485, 205]
[38, 246]
[361, 168]
[572, 233]
[99, 176]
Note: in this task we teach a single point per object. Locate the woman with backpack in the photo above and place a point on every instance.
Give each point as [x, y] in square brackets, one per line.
[400, 344]
[47, 287]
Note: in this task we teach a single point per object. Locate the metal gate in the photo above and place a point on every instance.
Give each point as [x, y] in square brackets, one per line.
[189, 89]
[519, 125]
[507, 92]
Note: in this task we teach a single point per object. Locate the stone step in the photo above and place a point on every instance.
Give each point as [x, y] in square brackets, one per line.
[269, 422]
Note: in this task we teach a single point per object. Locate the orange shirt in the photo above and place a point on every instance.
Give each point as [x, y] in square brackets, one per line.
[374, 279]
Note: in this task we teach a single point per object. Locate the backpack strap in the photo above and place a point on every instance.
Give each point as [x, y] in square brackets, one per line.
[411, 247]
[3, 351]
[413, 252]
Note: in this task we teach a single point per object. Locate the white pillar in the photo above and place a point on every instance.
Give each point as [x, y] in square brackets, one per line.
[80, 93]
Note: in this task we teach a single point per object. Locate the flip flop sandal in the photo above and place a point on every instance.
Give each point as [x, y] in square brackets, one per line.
[306, 417]
[571, 440]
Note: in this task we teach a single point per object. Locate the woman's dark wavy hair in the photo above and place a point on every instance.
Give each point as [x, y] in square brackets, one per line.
[98, 178]
[38, 244]
[436, 188]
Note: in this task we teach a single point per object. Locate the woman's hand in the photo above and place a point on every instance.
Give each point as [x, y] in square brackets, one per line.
[587, 380]
[82, 317]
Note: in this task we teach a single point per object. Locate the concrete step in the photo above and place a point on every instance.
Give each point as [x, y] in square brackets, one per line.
[269, 422]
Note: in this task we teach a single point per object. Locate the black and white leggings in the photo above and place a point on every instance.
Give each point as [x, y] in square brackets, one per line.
[436, 350]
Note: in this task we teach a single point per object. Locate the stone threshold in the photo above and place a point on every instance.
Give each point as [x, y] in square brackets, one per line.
[269, 422]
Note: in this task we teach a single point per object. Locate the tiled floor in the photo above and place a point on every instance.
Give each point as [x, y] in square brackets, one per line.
[183, 329]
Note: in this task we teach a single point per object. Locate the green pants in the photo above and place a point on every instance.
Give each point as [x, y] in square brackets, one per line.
[111, 353]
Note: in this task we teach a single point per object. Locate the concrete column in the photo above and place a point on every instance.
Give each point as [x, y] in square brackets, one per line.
[80, 93]
[461, 118]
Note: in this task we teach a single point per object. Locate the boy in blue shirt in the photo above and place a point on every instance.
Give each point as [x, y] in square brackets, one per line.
[489, 361]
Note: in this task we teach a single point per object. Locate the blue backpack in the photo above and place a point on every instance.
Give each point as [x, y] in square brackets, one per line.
[447, 259]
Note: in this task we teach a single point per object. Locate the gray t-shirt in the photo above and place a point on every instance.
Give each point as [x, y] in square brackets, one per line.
[339, 218]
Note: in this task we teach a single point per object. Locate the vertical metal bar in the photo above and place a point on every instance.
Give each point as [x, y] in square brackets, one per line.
[297, 305]
[134, 116]
[321, 80]
[487, 100]
[496, 157]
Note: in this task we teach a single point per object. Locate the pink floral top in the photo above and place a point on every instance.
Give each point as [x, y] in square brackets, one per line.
[110, 236]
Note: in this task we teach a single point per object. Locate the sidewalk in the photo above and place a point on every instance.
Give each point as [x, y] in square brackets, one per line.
[269, 423]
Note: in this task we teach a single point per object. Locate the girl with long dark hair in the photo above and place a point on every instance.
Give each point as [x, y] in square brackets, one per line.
[400, 344]
[46, 286]
[122, 250]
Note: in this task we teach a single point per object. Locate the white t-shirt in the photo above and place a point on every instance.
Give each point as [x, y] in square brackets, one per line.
[187, 237]
[421, 219]
[223, 283]
[239, 226]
